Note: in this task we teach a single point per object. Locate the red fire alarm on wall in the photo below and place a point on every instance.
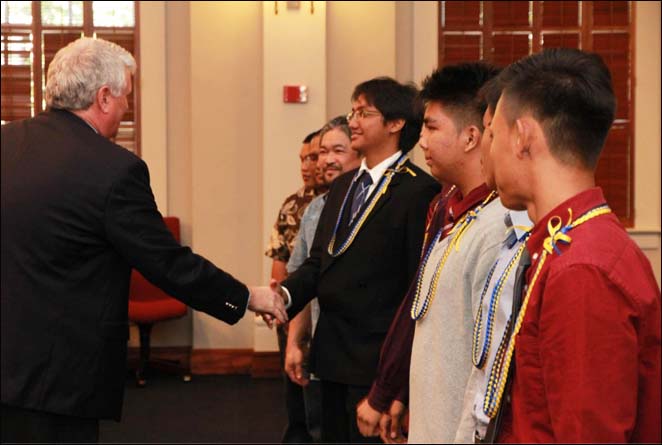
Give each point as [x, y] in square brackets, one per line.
[297, 94]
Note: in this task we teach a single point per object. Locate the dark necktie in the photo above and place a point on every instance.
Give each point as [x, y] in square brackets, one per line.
[360, 193]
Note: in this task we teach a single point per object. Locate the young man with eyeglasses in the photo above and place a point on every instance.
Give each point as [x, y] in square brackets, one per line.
[365, 251]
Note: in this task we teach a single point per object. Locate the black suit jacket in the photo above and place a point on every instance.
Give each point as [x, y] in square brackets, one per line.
[77, 214]
[360, 290]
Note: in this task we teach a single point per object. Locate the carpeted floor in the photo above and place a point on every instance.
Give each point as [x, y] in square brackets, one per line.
[218, 409]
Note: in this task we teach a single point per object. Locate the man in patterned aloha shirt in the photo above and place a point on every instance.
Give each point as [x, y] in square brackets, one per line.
[280, 247]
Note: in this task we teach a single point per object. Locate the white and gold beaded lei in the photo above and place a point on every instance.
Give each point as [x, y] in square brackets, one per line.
[421, 305]
[358, 222]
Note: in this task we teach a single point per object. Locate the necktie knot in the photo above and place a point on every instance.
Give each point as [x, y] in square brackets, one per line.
[360, 193]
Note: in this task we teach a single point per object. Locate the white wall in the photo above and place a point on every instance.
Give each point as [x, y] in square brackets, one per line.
[153, 98]
[226, 149]
[360, 45]
[294, 53]
[294, 43]
[647, 132]
[423, 51]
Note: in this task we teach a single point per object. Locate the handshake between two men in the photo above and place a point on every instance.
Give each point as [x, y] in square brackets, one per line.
[269, 302]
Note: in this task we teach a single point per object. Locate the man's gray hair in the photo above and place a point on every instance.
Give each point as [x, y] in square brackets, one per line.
[81, 68]
[339, 122]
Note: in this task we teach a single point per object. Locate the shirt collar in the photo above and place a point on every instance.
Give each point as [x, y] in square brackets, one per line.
[305, 191]
[378, 170]
[91, 126]
[518, 227]
[520, 222]
[70, 113]
[458, 205]
[579, 204]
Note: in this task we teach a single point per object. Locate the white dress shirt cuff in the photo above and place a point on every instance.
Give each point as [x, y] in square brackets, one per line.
[248, 300]
[289, 298]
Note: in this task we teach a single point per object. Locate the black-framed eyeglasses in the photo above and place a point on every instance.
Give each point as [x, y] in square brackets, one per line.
[361, 113]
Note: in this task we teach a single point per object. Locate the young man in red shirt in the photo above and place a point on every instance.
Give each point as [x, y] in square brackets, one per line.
[586, 341]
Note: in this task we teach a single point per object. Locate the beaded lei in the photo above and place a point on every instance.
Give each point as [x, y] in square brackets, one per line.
[382, 186]
[419, 309]
[499, 372]
[479, 357]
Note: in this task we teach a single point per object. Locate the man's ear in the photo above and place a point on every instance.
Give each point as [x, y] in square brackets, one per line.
[395, 125]
[103, 98]
[524, 135]
[471, 137]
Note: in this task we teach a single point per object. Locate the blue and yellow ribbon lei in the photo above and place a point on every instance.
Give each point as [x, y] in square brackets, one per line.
[558, 233]
[479, 357]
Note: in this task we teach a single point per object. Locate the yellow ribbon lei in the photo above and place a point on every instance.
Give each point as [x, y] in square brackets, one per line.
[557, 233]
[458, 230]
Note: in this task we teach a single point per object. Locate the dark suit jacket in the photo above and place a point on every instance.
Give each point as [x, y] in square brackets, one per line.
[360, 290]
[77, 214]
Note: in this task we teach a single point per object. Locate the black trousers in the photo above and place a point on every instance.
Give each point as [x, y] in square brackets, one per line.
[20, 425]
[339, 413]
[312, 396]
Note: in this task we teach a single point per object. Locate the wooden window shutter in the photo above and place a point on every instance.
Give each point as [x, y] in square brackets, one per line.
[16, 74]
[504, 31]
[611, 38]
[462, 36]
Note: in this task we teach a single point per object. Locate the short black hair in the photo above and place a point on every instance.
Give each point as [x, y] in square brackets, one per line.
[491, 92]
[456, 87]
[395, 101]
[570, 93]
[310, 137]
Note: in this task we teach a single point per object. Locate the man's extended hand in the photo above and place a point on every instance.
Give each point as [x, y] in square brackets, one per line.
[391, 424]
[267, 302]
[367, 418]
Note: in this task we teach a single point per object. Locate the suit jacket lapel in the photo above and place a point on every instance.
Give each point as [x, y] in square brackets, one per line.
[343, 231]
[397, 178]
[382, 200]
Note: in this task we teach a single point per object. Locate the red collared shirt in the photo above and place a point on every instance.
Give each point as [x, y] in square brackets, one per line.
[392, 381]
[587, 357]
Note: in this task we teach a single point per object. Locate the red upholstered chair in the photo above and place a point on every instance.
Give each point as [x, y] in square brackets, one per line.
[149, 305]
